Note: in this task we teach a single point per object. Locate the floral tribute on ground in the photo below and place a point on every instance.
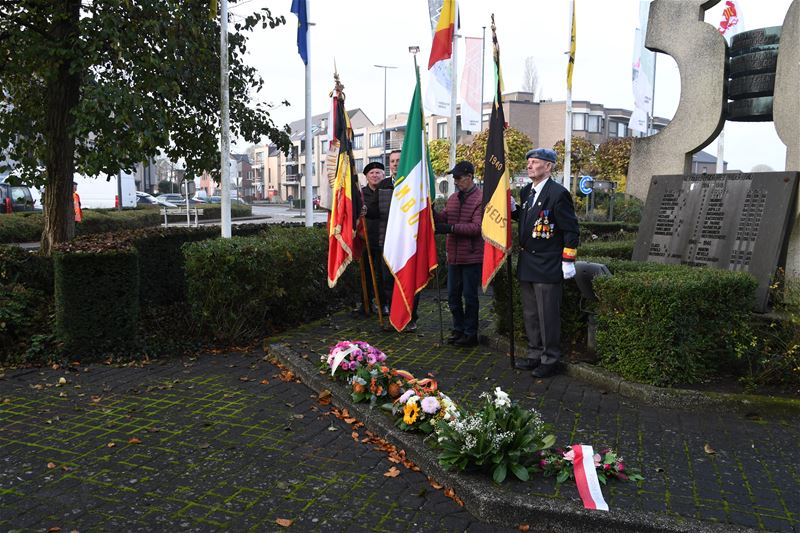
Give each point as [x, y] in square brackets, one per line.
[499, 437]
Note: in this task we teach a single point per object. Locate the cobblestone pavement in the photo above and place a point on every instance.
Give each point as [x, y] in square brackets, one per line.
[752, 479]
[219, 443]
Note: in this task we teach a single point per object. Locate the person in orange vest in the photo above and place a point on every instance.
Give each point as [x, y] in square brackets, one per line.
[76, 203]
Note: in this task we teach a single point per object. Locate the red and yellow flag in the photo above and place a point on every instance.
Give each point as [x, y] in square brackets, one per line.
[442, 47]
[346, 195]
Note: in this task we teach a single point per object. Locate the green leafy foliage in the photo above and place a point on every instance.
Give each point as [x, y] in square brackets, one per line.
[26, 268]
[95, 87]
[671, 326]
[23, 314]
[517, 142]
[96, 300]
[439, 152]
[581, 160]
[612, 159]
[497, 438]
[243, 287]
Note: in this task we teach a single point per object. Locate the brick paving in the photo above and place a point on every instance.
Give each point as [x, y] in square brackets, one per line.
[752, 481]
[220, 450]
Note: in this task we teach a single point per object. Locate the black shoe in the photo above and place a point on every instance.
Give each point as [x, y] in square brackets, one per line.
[467, 340]
[454, 336]
[527, 364]
[544, 371]
[411, 327]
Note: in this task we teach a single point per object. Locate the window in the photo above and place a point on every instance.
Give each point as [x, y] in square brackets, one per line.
[360, 164]
[259, 157]
[376, 139]
[325, 145]
[376, 159]
[595, 124]
[579, 122]
[622, 129]
[358, 142]
[441, 130]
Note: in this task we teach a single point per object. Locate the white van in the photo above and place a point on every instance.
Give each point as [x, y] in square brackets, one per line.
[99, 193]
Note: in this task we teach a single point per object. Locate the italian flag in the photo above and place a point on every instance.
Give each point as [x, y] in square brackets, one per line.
[410, 249]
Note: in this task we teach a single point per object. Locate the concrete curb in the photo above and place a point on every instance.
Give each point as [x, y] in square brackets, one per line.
[485, 500]
[668, 397]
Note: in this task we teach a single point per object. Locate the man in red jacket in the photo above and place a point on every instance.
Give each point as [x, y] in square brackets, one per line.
[461, 221]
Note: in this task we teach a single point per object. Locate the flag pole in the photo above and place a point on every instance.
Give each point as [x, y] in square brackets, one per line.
[308, 135]
[225, 119]
[568, 124]
[372, 271]
[453, 98]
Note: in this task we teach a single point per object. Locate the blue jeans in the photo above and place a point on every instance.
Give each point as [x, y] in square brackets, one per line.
[463, 282]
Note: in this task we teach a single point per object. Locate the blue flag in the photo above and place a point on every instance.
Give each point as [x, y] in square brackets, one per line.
[299, 9]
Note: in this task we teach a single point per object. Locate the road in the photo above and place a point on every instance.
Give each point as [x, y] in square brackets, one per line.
[262, 214]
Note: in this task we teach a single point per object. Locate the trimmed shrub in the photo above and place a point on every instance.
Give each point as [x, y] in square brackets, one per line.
[23, 314]
[665, 327]
[27, 268]
[21, 227]
[248, 286]
[612, 249]
[109, 220]
[96, 300]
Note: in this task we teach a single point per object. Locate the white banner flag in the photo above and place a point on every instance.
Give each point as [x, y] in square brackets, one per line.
[471, 84]
[644, 72]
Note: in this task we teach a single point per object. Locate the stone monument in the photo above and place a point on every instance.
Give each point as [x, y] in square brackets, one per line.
[676, 28]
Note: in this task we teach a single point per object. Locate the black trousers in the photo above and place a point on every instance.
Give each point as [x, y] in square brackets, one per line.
[541, 312]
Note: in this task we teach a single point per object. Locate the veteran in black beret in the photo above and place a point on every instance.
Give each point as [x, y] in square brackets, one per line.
[548, 240]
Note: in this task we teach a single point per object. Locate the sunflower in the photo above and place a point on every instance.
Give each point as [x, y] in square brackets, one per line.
[410, 413]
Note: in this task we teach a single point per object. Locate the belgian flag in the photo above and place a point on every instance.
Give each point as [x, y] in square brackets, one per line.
[496, 224]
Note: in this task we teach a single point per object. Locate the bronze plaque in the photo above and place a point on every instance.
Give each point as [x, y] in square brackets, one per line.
[729, 221]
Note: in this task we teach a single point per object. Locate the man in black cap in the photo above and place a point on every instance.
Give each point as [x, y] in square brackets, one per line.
[548, 238]
[377, 199]
[461, 221]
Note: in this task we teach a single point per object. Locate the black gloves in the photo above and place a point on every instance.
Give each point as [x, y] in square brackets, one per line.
[442, 227]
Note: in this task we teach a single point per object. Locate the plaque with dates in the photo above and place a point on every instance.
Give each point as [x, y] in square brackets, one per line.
[730, 221]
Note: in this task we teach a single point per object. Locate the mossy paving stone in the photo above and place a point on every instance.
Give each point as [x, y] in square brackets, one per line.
[666, 444]
[224, 454]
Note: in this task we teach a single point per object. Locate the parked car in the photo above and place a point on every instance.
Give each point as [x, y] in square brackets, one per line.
[15, 198]
[175, 198]
[142, 198]
[218, 200]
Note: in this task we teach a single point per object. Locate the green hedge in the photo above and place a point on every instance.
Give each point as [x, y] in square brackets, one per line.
[612, 249]
[244, 287]
[23, 314]
[667, 327]
[96, 300]
[606, 231]
[21, 227]
[27, 268]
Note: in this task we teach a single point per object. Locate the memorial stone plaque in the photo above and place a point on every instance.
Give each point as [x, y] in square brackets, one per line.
[731, 221]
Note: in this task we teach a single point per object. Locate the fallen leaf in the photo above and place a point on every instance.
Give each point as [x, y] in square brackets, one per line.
[392, 472]
[264, 382]
[435, 485]
[524, 527]
[284, 522]
[153, 430]
[95, 398]
[659, 469]
[286, 375]
[53, 529]
[111, 444]
[708, 449]
[62, 394]
[244, 378]
[203, 445]
[349, 420]
[74, 531]
[354, 435]
[324, 397]
[51, 465]
[134, 440]
[55, 366]
[450, 493]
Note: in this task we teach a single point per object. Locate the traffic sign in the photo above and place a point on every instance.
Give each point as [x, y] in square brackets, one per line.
[586, 184]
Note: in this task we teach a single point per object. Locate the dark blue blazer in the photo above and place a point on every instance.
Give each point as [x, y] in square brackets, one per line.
[540, 258]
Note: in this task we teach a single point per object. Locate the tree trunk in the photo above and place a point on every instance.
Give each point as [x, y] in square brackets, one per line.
[63, 89]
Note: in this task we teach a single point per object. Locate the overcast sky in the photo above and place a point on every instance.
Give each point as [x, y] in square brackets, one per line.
[359, 34]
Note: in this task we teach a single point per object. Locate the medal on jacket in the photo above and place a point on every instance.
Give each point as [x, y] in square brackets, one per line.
[542, 228]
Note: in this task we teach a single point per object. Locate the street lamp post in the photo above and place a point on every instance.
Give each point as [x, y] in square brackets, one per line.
[383, 154]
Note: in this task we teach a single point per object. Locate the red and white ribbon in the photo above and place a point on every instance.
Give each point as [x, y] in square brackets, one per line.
[586, 478]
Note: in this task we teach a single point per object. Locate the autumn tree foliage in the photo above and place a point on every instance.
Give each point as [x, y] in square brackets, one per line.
[95, 86]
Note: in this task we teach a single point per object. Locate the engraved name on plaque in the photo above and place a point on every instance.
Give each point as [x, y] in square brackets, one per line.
[730, 221]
